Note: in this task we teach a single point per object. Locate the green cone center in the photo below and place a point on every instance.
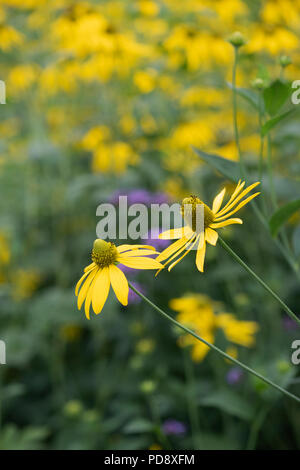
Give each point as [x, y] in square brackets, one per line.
[104, 253]
[190, 209]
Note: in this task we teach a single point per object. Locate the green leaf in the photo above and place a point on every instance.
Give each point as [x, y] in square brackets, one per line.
[275, 96]
[282, 215]
[296, 241]
[138, 426]
[274, 121]
[248, 95]
[227, 168]
[230, 402]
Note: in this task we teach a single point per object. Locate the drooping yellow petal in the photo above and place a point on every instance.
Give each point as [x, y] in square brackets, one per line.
[188, 249]
[211, 236]
[123, 248]
[176, 233]
[89, 267]
[85, 287]
[237, 208]
[119, 284]
[172, 248]
[80, 282]
[224, 212]
[186, 246]
[89, 297]
[200, 258]
[224, 223]
[218, 201]
[100, 290]
[140, 262]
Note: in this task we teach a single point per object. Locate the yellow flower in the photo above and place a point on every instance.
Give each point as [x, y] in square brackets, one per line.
[190, 237]
[103, 272]
[239, 332]
[200, 313]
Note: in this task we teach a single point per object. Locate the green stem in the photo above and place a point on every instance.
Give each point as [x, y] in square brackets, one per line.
[235, 120]
[212, 346]
[270, 173]
[259, 280]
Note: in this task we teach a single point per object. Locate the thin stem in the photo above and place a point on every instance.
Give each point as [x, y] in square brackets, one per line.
[259, 280]
[261, 149]
[235, 120]
[212, 346]
[270, 173]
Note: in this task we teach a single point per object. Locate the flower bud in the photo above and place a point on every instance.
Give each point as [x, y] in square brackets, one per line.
[258, 84]
[285, 60]
[237, 39]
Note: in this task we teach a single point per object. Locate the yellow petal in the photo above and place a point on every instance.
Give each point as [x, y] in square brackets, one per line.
[80, 282]
[119, 284]
[218, 201]
[243, 203]
[226, 222]
[224, 211]
[139, 253]
[172, 248]
[200, 258]
[85, 287]
[140, 263]
[235, 193]
[176, 233]
[100, 290]
[123, 248]
[186, 246]
[89, 267]
[188, 249]
[211, 236]
[89, 297]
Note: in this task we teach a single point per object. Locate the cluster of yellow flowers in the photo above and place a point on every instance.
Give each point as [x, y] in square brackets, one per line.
[198, 312]
[125, 51]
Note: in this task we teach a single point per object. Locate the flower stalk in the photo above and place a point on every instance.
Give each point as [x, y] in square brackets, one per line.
[259, 280]
[213, 347]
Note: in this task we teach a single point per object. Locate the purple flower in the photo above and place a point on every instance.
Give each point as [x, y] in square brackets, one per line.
[234, 376]
[173, 427]
[133, 298]
[289, 324]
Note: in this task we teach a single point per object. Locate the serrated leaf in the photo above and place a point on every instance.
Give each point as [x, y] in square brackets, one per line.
[230, 402]
[227, 168]
[275, 96]
[282, 215]
[274, 121]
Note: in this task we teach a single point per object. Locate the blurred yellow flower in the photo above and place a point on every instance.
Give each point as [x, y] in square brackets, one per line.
[24, 283]
[199, 313]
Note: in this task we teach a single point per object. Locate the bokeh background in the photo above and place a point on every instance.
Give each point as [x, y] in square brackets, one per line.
[106, 98]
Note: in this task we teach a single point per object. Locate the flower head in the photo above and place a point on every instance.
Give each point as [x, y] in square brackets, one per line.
[192, 237]
[94, 285]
